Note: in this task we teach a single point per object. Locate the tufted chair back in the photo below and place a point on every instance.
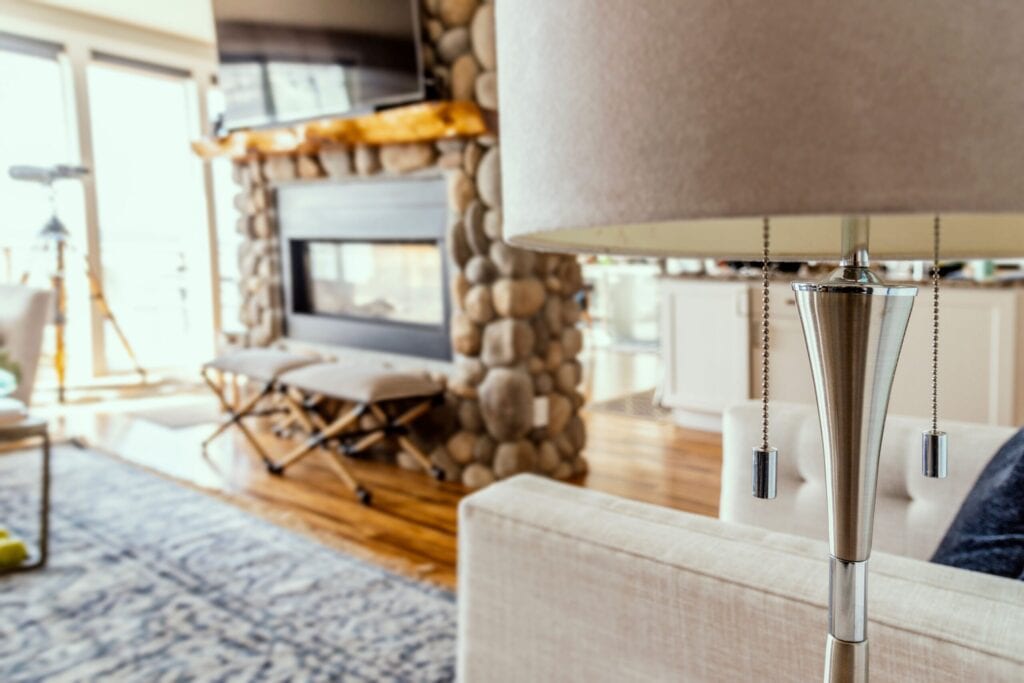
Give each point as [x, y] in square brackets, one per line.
[912, 512]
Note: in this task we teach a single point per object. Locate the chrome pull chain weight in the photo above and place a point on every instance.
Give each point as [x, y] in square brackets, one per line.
[765, 458]
[933, 441]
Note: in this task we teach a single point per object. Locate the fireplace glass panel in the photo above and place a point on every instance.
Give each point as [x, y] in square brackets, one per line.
[395, 282]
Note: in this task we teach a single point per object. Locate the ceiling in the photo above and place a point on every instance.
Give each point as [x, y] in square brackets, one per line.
[192, 19]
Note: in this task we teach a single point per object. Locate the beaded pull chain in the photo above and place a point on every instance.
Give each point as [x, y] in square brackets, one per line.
[765, 458]
[933, 441]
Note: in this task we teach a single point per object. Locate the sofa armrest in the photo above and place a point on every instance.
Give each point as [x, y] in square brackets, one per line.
[558, 583]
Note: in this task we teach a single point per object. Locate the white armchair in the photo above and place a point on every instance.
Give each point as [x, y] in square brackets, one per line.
[23, 316]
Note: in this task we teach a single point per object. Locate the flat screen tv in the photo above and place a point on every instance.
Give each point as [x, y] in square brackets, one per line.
[287, 61]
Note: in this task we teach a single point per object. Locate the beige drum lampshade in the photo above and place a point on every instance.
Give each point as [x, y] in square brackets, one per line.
[670, 127]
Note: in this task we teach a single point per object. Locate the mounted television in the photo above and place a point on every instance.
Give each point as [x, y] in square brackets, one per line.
[286, 61]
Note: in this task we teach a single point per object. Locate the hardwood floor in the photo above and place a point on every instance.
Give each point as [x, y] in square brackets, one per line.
[411, 527]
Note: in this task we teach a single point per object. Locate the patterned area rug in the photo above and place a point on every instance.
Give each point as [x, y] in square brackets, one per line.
[152, 581]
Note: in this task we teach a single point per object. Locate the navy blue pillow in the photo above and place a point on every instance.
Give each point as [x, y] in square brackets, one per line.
[988, 532]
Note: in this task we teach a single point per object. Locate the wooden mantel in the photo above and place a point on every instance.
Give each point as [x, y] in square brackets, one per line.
[421, 122]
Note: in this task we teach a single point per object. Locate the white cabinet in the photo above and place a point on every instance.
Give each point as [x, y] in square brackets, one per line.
[981, 353]
[705, 340]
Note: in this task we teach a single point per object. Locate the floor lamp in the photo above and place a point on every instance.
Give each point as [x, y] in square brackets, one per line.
[787, 131]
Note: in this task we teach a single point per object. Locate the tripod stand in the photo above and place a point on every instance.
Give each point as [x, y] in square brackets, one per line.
[56, 234]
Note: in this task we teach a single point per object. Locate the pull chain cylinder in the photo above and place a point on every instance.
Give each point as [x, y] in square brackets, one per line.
[765, 460]
[934, 441]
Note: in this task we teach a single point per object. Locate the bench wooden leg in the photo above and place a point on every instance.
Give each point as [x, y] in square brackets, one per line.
[235, 416]
[405, 442]
[316, 440]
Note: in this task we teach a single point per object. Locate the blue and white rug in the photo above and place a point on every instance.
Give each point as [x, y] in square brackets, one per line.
[152, 581]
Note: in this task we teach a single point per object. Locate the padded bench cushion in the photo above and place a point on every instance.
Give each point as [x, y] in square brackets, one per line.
[260, 364]
[362, 384]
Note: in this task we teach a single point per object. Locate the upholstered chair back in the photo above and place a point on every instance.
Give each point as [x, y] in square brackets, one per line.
[912, 513]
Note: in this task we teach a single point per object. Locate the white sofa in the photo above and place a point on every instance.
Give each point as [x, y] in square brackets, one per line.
[559, 583]
[23, 317]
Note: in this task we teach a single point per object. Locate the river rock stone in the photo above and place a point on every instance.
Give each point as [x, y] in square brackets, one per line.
[473, 220]
[579, 466]
[542, 337]
[459, 288]
[456, 12]
[477, 476]
[568, 376]
[482, 30]
[480, 270]
[564, 446]
[435, 29]
[460, 447]
[440, 457]
[553, 313]
[554, 357]
[511, 261]
[407, 157]
[506, 403]
[486, 90]
[547, 457]
[543, 384]
[408, 462]
[492, 223]
[469, 416]
[460, 191]
[465, 335]
[281, 167]
[469, 371]
[471, 159]
[519, 298]
[563, 471]
[577, 433]
[449, 161]
[366, 159]
[514, 457]
[488, 177]
[506, 342]
[559, 412]
[483, 449]
[307, 167]
[464, 73]
[458, 247]
[478, 305]
[572, 342]
[453, 44]
[336, 160]
[571, 311]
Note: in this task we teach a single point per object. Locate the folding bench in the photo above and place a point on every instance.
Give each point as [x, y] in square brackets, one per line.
[394, 398]
[260, 365]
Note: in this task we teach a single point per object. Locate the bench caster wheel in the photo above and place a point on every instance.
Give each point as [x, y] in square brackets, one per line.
[364, 496]
[437, 473]
[275, 469]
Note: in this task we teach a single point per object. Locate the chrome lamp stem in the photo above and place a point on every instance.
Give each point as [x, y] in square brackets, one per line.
[854, 326]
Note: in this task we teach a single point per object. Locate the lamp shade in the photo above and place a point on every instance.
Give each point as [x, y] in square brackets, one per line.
[671, 127]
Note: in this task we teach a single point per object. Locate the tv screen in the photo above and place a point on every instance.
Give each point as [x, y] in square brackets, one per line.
[286, 61]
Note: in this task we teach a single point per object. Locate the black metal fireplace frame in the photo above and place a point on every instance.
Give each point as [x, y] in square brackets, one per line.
[405, 210]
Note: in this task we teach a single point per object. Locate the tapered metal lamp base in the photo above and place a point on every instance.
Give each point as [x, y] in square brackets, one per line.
[854, 326]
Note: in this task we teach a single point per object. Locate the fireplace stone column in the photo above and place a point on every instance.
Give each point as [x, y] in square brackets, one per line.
[514, 391]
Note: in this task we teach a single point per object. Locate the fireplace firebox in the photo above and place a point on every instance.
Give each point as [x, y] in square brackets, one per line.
[364, 264]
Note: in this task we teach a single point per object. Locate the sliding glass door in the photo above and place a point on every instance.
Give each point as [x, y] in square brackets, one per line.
[153, 228]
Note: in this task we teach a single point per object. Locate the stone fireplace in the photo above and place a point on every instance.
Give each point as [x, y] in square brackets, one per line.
[510, 315]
